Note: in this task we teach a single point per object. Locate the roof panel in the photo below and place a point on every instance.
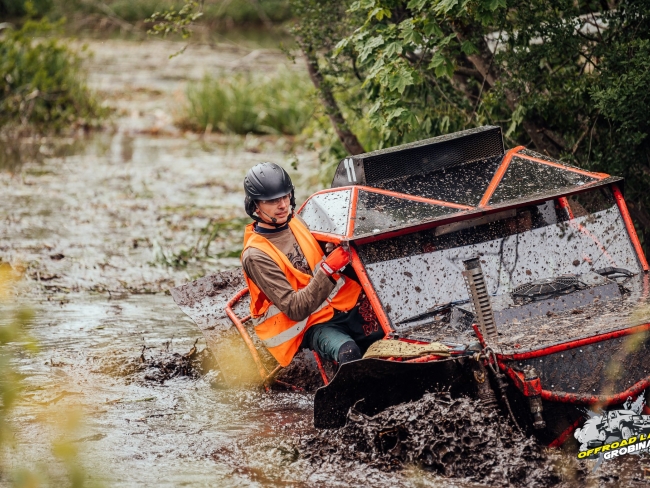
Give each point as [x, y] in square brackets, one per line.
[525, 179]
[378, 212]
[464, 184]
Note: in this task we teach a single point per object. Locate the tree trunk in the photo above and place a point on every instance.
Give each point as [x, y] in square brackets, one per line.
[347, 137]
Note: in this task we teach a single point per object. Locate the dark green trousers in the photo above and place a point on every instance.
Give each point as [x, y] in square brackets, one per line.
[327, 338]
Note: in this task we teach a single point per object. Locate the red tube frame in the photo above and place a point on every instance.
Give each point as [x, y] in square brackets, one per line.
[565, 346]
[364, 280]
[319, 364]
[566, 433]
[603, 400]
[426, 359]
[578, 399]
[352, 219]
[629, 225]
[564, 204]
[395, 194]
[498, 175]
[598, 176]
[416, 198]
[267, 377]
[466, 215]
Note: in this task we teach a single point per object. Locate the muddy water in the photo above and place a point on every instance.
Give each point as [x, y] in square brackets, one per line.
[93, 229]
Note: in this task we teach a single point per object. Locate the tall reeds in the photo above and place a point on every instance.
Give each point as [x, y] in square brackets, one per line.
[278, 103]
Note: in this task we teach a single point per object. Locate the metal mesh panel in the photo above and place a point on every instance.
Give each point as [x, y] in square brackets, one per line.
[465, 184]
[432, 154]
[525, 179]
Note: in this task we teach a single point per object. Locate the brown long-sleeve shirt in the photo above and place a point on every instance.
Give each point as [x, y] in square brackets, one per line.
[267, 275]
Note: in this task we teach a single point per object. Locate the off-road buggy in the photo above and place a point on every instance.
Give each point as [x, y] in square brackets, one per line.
[528, 271]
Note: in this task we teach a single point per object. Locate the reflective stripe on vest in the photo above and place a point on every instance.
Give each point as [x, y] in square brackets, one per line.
[272, 311]
[292, 332]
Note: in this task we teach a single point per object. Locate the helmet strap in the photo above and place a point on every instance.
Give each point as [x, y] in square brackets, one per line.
[274, 224]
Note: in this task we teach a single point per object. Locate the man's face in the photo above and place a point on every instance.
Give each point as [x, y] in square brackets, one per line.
[278, 208]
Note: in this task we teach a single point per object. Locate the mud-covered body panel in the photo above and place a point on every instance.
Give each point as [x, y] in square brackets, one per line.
[374, 384]
[594, 369]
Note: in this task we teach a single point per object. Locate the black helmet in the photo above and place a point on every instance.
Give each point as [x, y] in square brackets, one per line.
[266, 181]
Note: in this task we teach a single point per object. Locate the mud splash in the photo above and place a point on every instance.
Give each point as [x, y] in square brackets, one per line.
[458, 438]
[160, 365]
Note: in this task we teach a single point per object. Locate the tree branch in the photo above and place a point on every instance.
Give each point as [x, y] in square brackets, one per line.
[468, 73]
[347, 137]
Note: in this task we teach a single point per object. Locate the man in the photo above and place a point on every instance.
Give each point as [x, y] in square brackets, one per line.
[299, 298]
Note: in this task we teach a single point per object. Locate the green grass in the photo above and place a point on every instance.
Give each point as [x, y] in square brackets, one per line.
[280, 103]
[231, 11]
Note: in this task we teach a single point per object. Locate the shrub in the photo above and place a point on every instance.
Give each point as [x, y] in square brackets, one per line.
[40, 80]
[281, 103]
[20, 8]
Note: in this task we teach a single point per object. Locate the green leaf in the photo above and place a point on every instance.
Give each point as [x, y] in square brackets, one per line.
[392, 49]
[443, 66]
[445, 6]
[446, 40]
[443, 124]
[411, 35]
[416, 5]
[376, 106]
[495, 4]
[369, 46]
[342, 44]
[440, 71]
[437, 60]
[367, 4]
[431, 28]
[468, 48]
[395, 113]
[400, 80]
[517, 118]
[376, 69]
[379, 13]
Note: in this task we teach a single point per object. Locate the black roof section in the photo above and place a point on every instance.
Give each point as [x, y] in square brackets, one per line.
[419, 158]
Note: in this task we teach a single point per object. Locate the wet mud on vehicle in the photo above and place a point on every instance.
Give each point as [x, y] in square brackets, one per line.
[528, 271]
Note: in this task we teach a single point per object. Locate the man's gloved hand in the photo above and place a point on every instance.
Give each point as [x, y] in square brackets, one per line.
[338, 259]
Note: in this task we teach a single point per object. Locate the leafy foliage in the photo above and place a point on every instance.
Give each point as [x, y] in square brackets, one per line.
[15, 341]
[40, 80]
[175, 20]
[226, 12]
[566, 78]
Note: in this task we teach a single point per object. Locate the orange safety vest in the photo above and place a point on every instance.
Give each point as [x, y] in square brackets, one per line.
[281, 335]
